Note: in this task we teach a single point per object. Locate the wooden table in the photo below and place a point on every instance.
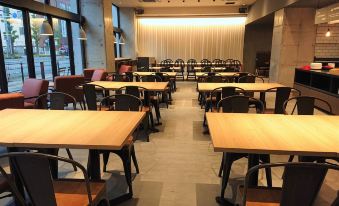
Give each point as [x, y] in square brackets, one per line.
[212, 68]
[248, 87]
[54, 129]
[151, 86]
[171, 74]
[223, 74]
[309, 135]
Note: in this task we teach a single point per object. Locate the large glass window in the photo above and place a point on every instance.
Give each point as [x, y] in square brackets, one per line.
[77, 48]
[41, 49]
[61, 47]
[116, 24]
[68, 5]
[13, 45]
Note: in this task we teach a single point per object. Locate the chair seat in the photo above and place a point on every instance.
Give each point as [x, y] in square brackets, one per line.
[74, 192]
[260, 196]
[4, 187]
[146, 109]
[269, 111]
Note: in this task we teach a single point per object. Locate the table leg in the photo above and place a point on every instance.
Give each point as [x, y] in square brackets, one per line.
[253, 160]
[263, 98]
[93, 165]
[53, 163]
[15, 174]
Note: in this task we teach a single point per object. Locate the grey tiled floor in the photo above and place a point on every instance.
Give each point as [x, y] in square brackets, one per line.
[178, 166]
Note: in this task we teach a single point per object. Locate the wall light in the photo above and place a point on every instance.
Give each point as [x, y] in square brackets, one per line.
[193, 21]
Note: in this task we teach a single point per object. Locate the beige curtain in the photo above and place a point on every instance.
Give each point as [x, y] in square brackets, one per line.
[186, 38]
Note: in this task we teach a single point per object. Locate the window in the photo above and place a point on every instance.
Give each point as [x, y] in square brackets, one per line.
[116, 24]
[41, 49]
[61, 47]
[13, 46]
[38, 56]
[68, 5]
[77, 48]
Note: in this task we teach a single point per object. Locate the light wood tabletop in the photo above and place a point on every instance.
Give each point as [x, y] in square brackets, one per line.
[223, 74]
[249, 87]
[67, 129]
[171, 74]
[308, 135]
[152, 86]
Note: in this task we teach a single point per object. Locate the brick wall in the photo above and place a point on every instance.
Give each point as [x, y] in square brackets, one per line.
[327, 47]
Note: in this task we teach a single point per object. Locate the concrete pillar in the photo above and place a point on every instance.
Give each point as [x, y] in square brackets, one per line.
[99, 30]
[293, 43]
[128, 25]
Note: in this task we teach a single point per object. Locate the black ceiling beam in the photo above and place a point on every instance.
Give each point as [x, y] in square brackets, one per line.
[41, 8]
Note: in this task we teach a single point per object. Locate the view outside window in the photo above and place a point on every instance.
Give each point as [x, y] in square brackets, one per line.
[68, 5]
[115, 16]
[41, 49]
[79, 67]
[61, 47]
[13, 43]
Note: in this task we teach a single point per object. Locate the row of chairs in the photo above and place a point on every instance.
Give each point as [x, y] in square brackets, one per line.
[234, 100]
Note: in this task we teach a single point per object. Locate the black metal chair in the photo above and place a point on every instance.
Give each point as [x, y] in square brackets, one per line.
[228, 64]
[191, 63]
[217, 63]
[143, 94]
[305, 105]
[123, 102]
[120, 78]
[249, 78]
[180, 63]
[301, 184]
[90, 92]
[216, 95]
[42, 189]
[208, 79]
[56, 101]
[282, 94]
[238, 104]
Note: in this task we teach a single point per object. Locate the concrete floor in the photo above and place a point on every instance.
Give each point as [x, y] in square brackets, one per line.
[178, 167]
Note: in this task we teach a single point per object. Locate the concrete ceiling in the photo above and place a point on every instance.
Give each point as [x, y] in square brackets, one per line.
[180, 3]
[314, 3]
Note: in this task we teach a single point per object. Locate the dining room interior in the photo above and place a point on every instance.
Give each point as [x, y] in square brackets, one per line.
[169, 102]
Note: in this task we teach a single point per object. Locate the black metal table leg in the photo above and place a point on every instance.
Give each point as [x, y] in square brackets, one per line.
[263, 98]
[93, 165]
[253, 160]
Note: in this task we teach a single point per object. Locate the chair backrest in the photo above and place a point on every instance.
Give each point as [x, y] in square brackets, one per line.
[57, 101]
[99, 75]
[34, 88]
[214, 79]
[123, 102]
[301, 181]
[223, 92]
[90, 91]
[305, 105]
[151, 78]
[68, 85]
[282, 94]
[239, 104]
[34, 172]
[120, 78]
[125, 68]
[179, 63]
[192, 62]
[206, 63]
[132, 90]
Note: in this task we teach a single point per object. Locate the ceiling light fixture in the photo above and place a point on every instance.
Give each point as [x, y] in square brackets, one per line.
[46, 28]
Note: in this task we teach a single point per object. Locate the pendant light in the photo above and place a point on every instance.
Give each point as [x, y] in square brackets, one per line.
[122, 39]
[82, 33]
[46, 28]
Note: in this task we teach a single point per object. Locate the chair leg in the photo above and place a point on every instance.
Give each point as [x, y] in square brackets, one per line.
[290, 159]
[228, 161]
[71, 157]
[135, 161]
[105, 158]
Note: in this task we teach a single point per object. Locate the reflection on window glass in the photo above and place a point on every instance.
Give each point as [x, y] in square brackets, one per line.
[115, 15]
[79, 67]
[116, 45]
[68, 5]
[61, 47]
[41, 49]
[42, 1]
[13, 43]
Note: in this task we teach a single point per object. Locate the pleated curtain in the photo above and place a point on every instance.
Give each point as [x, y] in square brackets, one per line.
[188, 38]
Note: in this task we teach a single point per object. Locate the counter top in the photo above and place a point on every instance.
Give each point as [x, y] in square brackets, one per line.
[332, 72]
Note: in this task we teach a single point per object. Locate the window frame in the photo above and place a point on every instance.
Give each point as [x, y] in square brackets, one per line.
[31, 6]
